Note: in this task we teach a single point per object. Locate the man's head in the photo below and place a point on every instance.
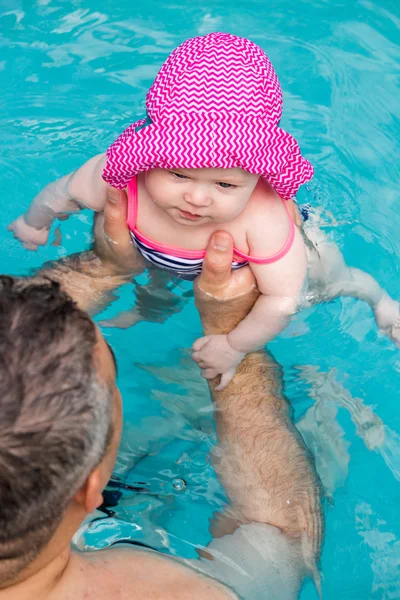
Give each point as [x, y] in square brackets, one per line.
[57, 422]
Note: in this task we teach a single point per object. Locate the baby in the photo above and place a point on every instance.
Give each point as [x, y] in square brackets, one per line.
[211, 156]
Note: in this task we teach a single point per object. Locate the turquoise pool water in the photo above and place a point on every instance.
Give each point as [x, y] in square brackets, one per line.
[72, 76]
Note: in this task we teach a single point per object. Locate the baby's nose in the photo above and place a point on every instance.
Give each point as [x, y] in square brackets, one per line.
[198, 198]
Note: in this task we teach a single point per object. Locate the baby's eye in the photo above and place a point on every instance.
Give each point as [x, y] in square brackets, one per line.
[226, 186]
[178, 175]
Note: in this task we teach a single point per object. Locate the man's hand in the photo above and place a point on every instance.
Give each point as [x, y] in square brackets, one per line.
[223, 298]
[113, 244]
[91, 277]
[217, 280]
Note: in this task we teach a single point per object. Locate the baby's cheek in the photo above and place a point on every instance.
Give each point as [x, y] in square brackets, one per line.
[232, 211]
[162, 193]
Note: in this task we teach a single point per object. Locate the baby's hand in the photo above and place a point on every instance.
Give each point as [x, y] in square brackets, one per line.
[29, 236]
[215, 356]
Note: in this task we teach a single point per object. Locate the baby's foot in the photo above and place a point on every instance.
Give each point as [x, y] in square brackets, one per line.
[387, 315]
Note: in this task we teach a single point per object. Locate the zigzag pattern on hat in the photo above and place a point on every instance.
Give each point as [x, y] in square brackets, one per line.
[217, 72]
[216, 102]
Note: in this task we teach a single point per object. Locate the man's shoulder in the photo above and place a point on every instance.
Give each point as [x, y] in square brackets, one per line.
[127, 573]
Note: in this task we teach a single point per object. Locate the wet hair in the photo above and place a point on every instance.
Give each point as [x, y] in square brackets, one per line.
[55, 414]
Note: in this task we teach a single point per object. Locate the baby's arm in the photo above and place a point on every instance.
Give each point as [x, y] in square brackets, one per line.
[279, 284]
[83, 188]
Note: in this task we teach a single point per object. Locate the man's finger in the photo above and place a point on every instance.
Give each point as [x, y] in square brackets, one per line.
[115, 215]
[217, 264]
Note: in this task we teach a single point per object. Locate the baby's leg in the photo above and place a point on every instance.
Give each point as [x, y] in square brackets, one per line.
[331, 278]
[155, 302]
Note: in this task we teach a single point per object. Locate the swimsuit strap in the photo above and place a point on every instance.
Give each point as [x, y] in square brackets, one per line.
[278, 255]
[132, 204]
[199, 254]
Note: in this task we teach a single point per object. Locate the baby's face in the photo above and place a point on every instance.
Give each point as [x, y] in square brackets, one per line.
[198, 196]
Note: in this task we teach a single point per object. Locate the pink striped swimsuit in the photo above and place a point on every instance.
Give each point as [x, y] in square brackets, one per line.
[184, 263]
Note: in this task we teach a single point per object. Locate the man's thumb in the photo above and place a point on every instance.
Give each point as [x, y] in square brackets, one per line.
[115, 215]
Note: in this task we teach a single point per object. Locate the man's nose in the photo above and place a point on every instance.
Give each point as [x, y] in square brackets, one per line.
[198, 197]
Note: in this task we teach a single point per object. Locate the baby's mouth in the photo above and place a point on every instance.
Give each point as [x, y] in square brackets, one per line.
[190, 216]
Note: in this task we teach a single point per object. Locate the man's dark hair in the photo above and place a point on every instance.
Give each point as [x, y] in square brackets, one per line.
[55, 414]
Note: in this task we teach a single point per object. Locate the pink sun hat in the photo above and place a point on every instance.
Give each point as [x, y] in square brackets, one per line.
[216, 102]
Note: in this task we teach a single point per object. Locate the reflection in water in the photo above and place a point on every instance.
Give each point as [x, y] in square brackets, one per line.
[377, 436]
[325, 439]
[384, 551]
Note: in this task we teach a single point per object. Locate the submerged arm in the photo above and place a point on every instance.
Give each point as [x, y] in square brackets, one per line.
[91, 277]
[262, 461]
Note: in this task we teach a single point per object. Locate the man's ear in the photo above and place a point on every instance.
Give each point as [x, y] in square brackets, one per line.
[89, 496]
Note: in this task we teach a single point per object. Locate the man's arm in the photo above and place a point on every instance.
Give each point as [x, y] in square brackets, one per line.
[262, 449]
[91, 277]
[260, 459]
